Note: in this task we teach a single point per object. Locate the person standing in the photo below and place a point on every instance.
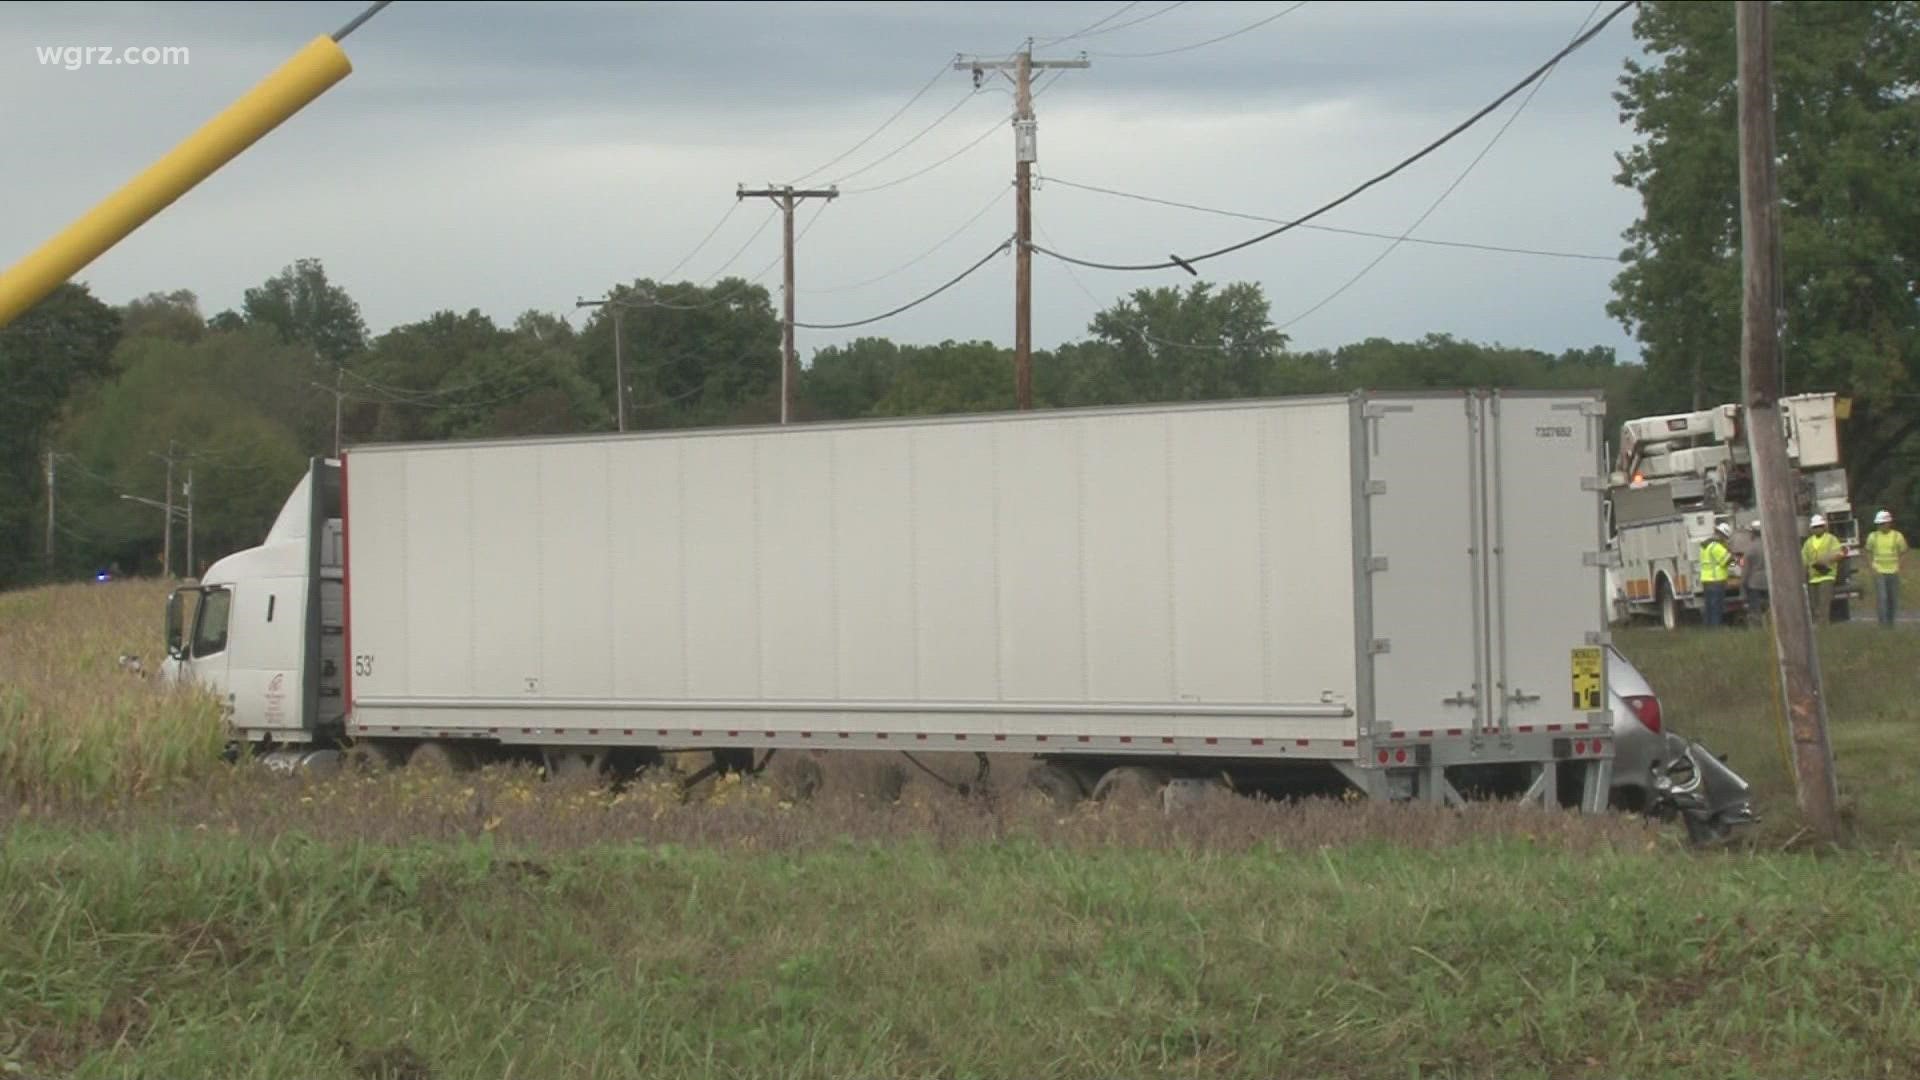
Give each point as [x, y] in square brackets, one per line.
[1885, 547]
[1821, 556]
[1715, 562]
[1753, 575]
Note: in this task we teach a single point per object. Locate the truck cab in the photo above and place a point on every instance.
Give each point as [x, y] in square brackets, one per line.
[263, 629]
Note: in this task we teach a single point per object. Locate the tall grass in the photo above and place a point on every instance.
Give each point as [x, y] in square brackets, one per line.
[1720, 687]
[195, 954]
[73, 723]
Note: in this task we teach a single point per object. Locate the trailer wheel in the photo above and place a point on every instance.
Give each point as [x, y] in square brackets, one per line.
[1669, 607]
[569, 763]
[1130, 784]
[1058, 783]
[437, 755]
[372, 757]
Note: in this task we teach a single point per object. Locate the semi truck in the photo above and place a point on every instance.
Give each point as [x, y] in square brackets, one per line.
[1402, 594]
[1679, 476]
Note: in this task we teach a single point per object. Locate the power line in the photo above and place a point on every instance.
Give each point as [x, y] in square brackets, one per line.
[1176, 204]
[1148, 17]
[938, 74]
[1187, 262]
[1141, 333]
[1202, 44]
[1088, 29]
[918, 173]
[955, 280]
[735, 257]
[917, 136]
[1451, 188]
[732, 208]
[917, 259]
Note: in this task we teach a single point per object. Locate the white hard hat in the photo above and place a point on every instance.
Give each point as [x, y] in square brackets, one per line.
[1723, 529]
[1818, 521]
[1883, 518]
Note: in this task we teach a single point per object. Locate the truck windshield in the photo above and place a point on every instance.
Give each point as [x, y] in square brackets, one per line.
[210, 623]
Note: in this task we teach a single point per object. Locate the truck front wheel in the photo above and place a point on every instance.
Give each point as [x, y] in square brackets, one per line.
[1669, 607]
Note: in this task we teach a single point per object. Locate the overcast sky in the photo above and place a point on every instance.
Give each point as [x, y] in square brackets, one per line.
[509, 156]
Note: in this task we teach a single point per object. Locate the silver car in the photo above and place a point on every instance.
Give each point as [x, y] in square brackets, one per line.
[1663, 774]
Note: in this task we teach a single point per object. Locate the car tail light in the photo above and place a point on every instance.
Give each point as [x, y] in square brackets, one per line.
[1646, 709]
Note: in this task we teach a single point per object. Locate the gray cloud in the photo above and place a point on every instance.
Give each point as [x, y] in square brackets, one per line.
[512, 155]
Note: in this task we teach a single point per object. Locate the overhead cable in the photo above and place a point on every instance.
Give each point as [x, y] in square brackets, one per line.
[1186, 263]
[1178, 205]
[1450, 189]
[909, 305]
[1202, 44]
[939, 73]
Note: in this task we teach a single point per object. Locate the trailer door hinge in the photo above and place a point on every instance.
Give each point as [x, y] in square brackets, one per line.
[1375, 409]
[1602, 559]
[1377, 564]
[1376, 487]
[1599, 637]
[1379, 645]
[1594, 483]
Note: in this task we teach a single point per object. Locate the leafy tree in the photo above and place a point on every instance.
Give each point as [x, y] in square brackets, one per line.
[694, 355]
[303, 306]
[1167, 345]
[951, 377]
[174, 315]
[847, 381]
[461, 376]
[57, 346]
[1847, 121]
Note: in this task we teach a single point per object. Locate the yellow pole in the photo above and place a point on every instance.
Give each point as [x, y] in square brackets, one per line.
[311, 72]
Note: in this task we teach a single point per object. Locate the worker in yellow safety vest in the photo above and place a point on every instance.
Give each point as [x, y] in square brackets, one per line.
[1885, 546]
[1716, 560]
[1821, 556]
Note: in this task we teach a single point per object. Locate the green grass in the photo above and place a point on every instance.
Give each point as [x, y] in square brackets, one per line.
[170, 953]
[1720, 687]
[162, 915]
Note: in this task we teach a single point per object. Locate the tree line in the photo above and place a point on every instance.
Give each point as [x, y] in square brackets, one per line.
[245, 397]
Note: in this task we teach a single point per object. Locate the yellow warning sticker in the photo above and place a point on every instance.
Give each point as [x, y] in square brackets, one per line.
[1587, 679]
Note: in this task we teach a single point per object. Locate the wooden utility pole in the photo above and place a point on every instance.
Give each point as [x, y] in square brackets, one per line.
[1794, 643]
[787, 197]
[1026, 151]
[619, 309]
[50, 482]
[192, 572]
[166, 547]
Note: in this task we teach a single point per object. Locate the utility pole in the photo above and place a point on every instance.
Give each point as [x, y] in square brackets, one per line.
[787, 197]
[1794, 644]
[619, 357]
[50, 482]
[191, 571]
[1026, 150]
[166, 546]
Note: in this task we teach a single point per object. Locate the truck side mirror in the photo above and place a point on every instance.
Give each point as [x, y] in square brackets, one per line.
[176, 628]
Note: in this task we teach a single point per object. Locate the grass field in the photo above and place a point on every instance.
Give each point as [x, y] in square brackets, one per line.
[162, 915]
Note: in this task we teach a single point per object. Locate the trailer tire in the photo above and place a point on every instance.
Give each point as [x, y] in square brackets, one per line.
[372, 756]
[1128, 784]
[568, 763]
[1061, 785]
[439, 755]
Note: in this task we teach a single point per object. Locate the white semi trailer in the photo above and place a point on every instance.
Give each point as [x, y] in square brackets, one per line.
[1404, 591]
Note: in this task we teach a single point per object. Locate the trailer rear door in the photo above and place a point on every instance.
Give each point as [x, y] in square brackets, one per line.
[1426, 572]
[1545, 461]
